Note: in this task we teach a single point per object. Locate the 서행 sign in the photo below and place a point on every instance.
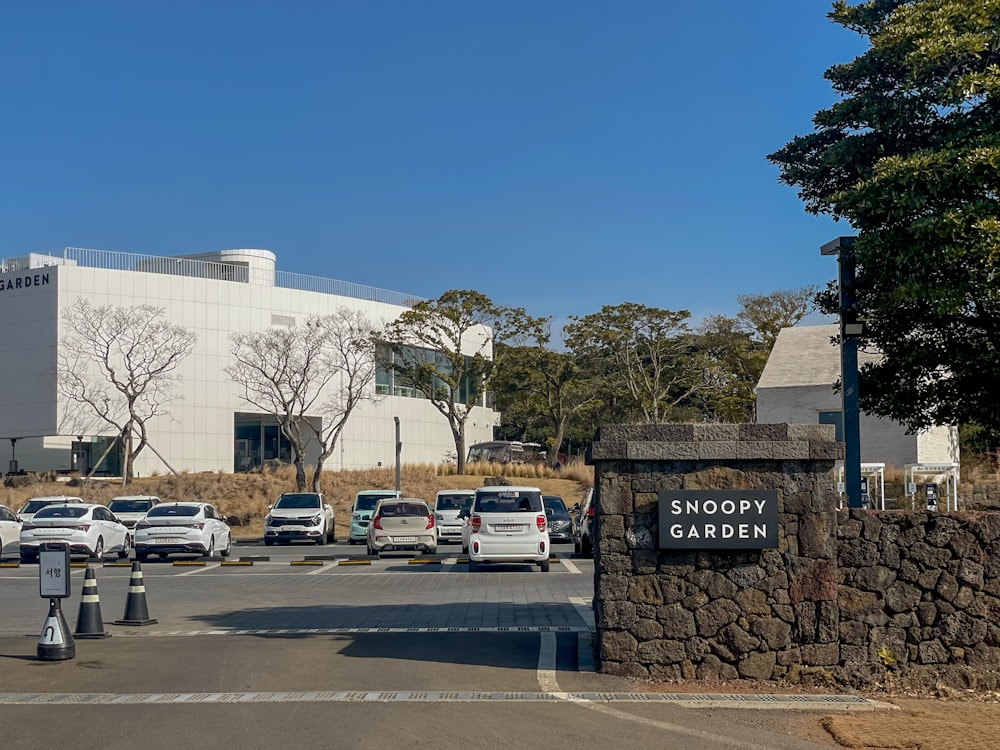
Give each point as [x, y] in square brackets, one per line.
[718, 519]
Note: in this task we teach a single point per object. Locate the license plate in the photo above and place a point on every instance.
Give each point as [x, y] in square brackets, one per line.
[167, 540]
[446, 530]
[404, 539]
[508, 527]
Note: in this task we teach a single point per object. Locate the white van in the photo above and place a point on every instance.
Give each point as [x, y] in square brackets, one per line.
[447, 505]
[361, 512]
[508, 525]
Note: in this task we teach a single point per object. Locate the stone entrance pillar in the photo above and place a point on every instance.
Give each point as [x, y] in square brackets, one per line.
[720, 614]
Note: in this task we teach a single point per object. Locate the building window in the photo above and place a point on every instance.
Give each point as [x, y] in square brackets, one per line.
[387, 381]
[836, 418]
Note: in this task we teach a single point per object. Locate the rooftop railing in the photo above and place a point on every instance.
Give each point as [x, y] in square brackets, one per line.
[203, 269]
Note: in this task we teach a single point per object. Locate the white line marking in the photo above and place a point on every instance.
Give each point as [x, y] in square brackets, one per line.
[550, 685]
[198, 570]
[568, 564]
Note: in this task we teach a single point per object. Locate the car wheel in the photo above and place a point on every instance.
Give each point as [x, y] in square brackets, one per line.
[544, 565]
[126, 548]
[229, 546]
[99, 548]
[576, 546]
[586, 548]
[473, 566]
[352, 542]
[25, 559]
[268, 542]
[210, 552]
[465, 550]
[332, 538]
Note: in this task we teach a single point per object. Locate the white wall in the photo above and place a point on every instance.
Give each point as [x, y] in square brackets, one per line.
[197, 433]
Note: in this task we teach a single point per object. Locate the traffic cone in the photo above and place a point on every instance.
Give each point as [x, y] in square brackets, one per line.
[89, 623]
[136, 612]
[55, 643]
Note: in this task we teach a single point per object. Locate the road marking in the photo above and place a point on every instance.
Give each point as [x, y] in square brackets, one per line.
[348, 631]
[842, 702]
[569, 566]
[550, 685]
[198, 570]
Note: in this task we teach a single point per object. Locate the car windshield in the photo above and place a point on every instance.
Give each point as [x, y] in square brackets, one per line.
[297, 500]
[129, 505]
[555, 504]
[368, 502]
[62, 511]
[397, 510]
[453, 502]
[509, 501]
[33, 506]
[173, 510]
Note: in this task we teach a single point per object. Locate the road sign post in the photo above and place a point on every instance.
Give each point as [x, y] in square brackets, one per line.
[55, 642]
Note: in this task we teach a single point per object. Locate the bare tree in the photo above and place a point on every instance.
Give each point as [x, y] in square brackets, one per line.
[320, 372]
[121, 363]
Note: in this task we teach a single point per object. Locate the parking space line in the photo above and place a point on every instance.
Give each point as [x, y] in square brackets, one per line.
[569, 565]
[198, 570]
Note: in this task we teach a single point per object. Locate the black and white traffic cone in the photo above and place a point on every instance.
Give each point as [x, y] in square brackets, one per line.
[89, 623]
[136, 611]
[55, 643]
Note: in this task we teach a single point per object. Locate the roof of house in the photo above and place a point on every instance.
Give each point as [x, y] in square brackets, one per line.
[806, 355]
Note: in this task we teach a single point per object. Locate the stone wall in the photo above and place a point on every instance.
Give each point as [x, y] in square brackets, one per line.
[856, 597]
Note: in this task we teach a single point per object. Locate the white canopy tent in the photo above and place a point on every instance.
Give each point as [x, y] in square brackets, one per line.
[874, 474]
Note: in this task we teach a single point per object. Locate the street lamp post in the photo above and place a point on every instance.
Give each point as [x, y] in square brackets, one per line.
[850, 329]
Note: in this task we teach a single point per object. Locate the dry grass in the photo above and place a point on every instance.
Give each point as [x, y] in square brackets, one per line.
[244, 498]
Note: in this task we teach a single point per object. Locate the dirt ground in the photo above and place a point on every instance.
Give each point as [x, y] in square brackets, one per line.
[965, 720]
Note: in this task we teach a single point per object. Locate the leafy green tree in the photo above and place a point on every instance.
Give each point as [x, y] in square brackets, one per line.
[646, 352]
[448, 350]
[539, 386]
[910, 157]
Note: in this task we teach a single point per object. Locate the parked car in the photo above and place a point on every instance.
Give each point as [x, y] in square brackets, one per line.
[447, 505]
[10, 533]
[87, 528]
[402, 524]
[182, 527]
[300, 515]
[508, 525]
[361, 512]
[130, 509]
[560, 524]
[583, 525]
[35, 504]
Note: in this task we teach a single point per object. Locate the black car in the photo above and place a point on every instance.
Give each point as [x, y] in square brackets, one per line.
[560, 524]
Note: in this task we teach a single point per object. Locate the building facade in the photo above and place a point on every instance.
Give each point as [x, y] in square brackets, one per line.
[208, 427]
[797, 387]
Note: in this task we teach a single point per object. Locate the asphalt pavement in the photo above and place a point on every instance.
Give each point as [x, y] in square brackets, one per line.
[346, 655]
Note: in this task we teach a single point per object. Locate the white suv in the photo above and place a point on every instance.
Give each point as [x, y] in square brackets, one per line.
[508, 525]
[299, 515]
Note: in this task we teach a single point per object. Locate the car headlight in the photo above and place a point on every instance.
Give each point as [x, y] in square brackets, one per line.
[314, 521]
[355, 516]
[267, 520]
[438, 517]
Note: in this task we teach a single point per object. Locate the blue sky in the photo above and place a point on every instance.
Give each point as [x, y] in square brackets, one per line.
[554, 155]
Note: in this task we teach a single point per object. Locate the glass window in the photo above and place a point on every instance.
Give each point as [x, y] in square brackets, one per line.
[836, 418]
[508, 501]
[166, 511]
[129, 505]
[62, 511]
[291, 500]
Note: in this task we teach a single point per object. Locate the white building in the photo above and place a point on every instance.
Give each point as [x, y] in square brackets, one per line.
[797, 386]
[209, 428]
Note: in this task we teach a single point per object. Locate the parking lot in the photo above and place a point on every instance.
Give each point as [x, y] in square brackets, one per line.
[503, 655]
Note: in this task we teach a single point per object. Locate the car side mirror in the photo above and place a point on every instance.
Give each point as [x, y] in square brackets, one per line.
[326, 506]
[549, 512]
[576, 507]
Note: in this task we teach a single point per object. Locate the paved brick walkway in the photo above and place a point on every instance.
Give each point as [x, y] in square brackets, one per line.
[921, 725]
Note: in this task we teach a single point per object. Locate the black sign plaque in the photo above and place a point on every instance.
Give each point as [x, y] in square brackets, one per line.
[718, 519]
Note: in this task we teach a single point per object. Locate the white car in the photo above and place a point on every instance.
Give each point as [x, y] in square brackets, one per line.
[182, 527]
[447, 506]
[130, 509]
[87, 528]
[37, 503]
[10, 533]
[299, 515]
[507, 525]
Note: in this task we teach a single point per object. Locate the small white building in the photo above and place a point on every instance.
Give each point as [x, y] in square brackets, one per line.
[797, 386]
[209, 427]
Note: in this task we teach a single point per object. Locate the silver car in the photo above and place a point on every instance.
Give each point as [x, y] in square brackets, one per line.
[447, 506]
[402, 524]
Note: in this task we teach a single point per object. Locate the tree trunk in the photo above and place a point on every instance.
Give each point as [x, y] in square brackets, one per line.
[553, 458]
[300, 473]
[459, 434]
[317, 478]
